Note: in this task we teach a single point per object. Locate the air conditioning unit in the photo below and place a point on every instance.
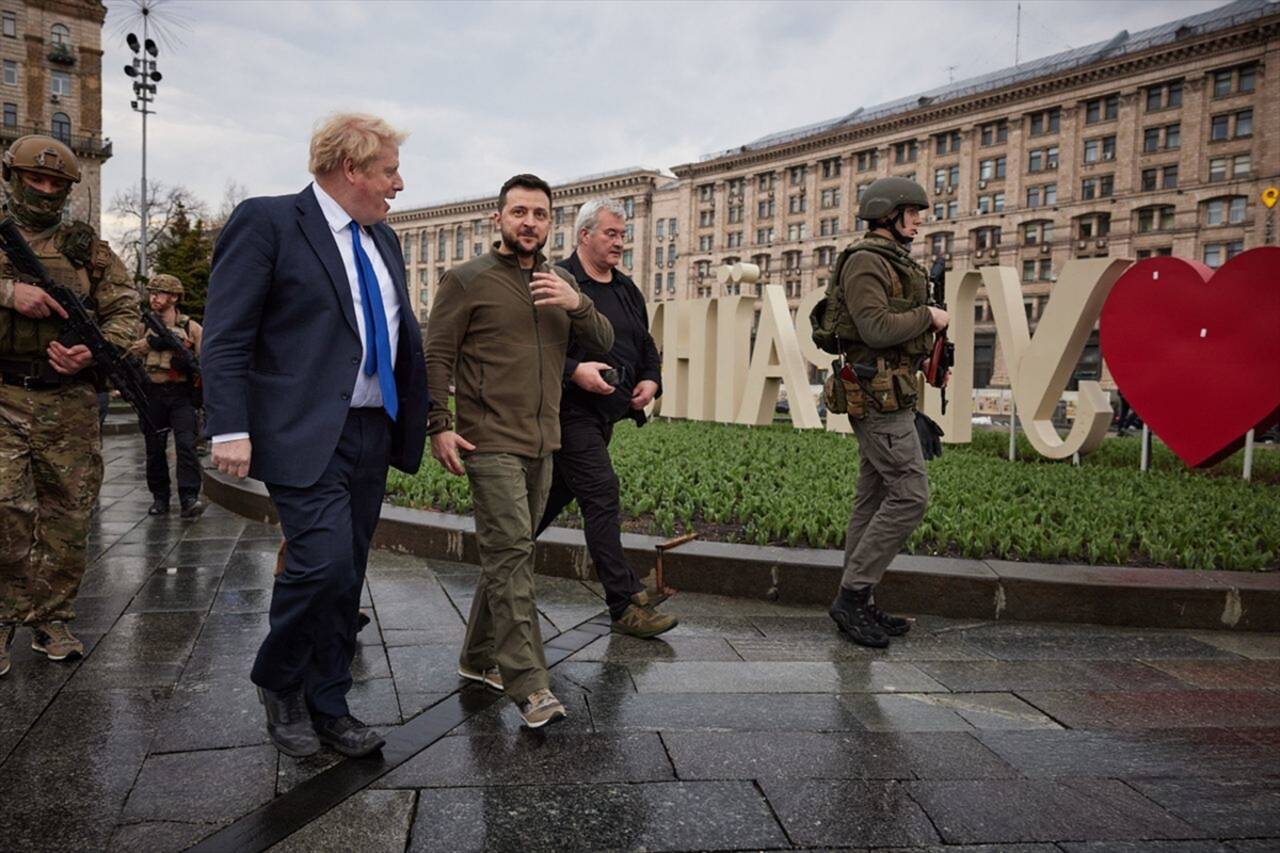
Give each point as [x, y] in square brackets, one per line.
[55, 98]
[995, 253]
[980, 253]
[1101, 244]
[1044, 249]
[982, 185]
[1082, 244]
[949, 190]
[1052, 165]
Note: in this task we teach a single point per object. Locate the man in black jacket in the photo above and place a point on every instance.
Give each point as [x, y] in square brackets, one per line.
[600, 390]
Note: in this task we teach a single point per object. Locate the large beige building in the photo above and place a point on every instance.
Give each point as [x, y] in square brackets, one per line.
[51, 83]
[1156, 142]
[436, 237]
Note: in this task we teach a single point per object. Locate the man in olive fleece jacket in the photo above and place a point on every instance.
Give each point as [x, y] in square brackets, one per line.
[498, 331]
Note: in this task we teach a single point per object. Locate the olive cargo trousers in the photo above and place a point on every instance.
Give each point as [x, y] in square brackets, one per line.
[508, 495]
[891, 498]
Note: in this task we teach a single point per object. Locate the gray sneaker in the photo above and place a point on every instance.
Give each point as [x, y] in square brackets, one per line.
[540, 708]
[55, 640]
[6, 640]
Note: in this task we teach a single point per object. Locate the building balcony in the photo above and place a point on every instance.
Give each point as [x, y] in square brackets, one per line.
[61, 54]
[90, 145]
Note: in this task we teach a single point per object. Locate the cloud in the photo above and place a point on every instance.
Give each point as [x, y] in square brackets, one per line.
[563, 89]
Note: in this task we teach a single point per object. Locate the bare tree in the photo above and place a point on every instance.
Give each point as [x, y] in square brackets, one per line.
[232, 195]
[163, 205]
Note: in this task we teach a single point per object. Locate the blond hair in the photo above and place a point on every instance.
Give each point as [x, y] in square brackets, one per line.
[354, 136]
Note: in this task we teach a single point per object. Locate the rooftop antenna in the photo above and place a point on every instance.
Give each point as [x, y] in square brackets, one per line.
[951, 73]
[1017, 38]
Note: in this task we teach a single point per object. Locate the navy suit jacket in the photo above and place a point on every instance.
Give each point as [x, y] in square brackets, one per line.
[281, 348]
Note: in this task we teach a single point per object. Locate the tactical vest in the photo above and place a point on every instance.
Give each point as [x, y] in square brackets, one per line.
[73, 261]
[159, 363]
[907, 287]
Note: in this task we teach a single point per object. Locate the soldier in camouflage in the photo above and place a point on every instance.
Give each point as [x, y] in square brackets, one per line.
[50, 444]
[170, 399]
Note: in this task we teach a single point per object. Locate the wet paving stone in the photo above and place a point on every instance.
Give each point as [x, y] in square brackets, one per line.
[375, 702]
[743, 712]
[992, 811]
[291, 772]
[1244, 644]
[830, 812]
[619, 648]
[1182, 709]
[797, 677]
[212, 715]
[175, 588]
[1220, 807]
[142, 644]
[158, 836]
[1148, 847]
[425, 669]
[594, 678]
[837, 649]
[113, 728]
[945, 712]
[370, 822]
[1224, 674]
[1008, 676]
[532, 758]
[207, 786]
[1028, 645]
[654, 817]
[1134, 754]
[838, 755]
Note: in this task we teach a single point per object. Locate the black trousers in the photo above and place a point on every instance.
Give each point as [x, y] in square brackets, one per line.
[314, 603]
[583, 471]
[169, 404]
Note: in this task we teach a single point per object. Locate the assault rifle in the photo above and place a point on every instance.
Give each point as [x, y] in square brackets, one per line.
[939, 362]
[183, 358]
[123, 372]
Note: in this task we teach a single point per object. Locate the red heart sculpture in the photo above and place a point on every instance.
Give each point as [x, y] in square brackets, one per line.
[1197, 352]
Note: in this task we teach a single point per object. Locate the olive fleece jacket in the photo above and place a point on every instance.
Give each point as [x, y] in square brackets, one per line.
[504, 355]
[882, 325]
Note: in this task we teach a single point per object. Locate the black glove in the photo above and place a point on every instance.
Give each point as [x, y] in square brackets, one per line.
[930, 436]
[157, 343]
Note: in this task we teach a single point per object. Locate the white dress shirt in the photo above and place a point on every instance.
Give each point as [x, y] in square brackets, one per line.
[367, 392]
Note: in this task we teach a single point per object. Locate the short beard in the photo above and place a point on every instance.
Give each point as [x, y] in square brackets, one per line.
[512, 241]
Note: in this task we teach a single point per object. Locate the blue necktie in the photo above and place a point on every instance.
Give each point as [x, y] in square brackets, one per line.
[377, 342]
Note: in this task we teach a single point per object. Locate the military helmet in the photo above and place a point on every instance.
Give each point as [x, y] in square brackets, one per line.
[43, 155]
[886, 195]
[164, 283]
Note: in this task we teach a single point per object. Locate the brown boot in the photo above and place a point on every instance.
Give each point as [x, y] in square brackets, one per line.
[56, 641]
[642, 622]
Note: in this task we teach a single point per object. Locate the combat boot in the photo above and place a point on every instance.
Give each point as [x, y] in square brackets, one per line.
[853, 617]
[6, 640]
[160, 506]
[191, 507]
[894, 626]
[55, 640]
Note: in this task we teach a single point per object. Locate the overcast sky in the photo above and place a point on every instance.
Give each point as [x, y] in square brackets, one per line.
[560, 89]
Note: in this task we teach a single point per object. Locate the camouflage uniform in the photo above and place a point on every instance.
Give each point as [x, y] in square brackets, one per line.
[50, 443]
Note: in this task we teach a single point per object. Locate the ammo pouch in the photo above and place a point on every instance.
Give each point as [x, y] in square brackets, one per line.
[892, 388]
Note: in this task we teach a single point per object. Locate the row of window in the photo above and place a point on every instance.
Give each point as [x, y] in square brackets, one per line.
[59, 34]
[1033, 270]
[59, 81]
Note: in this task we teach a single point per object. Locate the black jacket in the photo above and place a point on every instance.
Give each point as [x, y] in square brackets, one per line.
[611, 407]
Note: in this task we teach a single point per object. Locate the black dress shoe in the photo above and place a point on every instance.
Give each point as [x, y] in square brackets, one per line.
[362, 619]
[288, 722]
[191, 508]
[160, 506]
[347, 735]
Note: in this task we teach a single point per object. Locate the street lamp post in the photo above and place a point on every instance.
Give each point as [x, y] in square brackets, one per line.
[145, 77]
